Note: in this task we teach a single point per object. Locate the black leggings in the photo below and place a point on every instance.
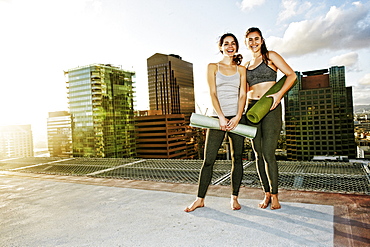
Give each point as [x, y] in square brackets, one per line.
[213, 143]
[264, 145]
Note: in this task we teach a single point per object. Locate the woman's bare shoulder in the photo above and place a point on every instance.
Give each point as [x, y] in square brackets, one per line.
[273, 55]
[212, 66]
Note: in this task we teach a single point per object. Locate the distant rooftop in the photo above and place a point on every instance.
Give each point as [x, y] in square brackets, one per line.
[176, 56]
[316, 72]
[119, 67]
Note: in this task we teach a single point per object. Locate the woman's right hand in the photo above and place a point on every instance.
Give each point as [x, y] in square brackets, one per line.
[223, 123]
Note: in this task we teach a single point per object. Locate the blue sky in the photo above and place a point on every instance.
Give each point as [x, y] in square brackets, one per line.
[42, 38]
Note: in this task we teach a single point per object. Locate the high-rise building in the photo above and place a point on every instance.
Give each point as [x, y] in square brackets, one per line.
[101, 104]
[319, 115]
[59, 134]
[163, 137]
[171, 85]
[16, 141]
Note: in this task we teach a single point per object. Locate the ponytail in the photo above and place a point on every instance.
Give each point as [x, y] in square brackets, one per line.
[238, 59]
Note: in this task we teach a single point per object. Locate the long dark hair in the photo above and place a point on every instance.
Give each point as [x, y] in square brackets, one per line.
[264, 51]
[237, 57]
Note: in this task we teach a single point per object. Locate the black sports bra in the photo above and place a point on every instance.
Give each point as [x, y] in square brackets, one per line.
[261, 73]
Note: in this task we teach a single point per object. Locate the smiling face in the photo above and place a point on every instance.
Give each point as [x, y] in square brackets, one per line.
[254, 41]
[229, 46]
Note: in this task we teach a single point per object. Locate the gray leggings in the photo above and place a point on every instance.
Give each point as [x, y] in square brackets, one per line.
[214, 140]
[264, 145]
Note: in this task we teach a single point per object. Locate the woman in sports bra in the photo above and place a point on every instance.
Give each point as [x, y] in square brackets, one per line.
[261, 75]
[227, 86]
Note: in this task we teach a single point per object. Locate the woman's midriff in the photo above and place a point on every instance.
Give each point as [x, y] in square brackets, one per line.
[258, 90]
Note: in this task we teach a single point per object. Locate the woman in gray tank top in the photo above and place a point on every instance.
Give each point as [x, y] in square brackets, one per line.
[227, 86]
[261, 75]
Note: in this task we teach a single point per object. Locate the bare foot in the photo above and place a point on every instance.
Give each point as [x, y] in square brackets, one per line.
[266, 201]
[275, 202]
[198, 203]
[234, 203]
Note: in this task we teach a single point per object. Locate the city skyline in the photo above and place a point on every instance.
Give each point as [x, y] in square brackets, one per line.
[45, 38]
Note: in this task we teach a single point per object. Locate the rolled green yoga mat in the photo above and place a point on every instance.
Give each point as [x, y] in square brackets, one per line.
[262, 107]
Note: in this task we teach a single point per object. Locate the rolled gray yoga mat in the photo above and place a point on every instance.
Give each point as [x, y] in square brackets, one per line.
[201, 121]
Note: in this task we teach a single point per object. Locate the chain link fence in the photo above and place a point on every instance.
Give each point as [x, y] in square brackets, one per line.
[338, 177]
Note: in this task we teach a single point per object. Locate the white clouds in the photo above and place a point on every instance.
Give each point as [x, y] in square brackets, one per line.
[341, 28]
[361, 92]
[361, 95]
[350, 60]
[250, 4]
[292, 8]
[356, 3]
[365, 80]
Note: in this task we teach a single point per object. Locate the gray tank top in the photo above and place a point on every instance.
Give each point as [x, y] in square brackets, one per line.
[227, 88]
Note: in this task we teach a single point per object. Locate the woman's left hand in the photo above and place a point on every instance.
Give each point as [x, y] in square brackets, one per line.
[276, 100]
[232, 123]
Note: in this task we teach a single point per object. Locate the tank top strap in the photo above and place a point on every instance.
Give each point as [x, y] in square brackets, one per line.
[218, 68]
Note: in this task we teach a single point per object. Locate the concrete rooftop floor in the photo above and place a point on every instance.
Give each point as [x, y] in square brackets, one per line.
[54, 210]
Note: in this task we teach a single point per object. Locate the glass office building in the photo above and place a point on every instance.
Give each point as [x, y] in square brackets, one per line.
[101, 103]
[59, 134]
[171, 85]
[319, 115]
